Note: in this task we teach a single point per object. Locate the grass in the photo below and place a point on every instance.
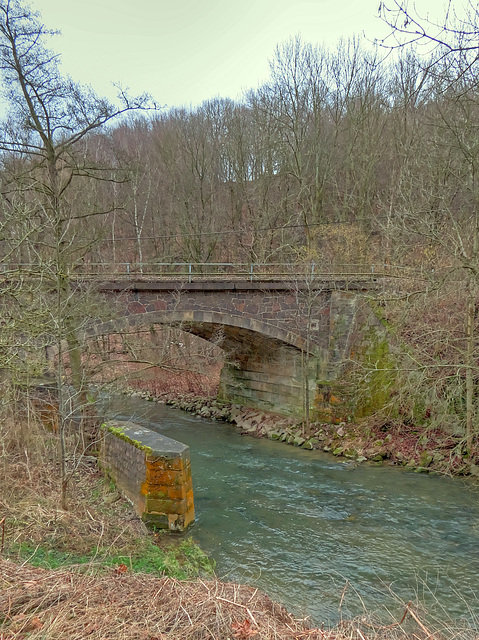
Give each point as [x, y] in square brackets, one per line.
[181, 561]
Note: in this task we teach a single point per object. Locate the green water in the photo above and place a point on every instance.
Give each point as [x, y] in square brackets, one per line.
[300, 525]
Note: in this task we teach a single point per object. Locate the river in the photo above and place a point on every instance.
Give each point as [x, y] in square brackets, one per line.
[325, 537]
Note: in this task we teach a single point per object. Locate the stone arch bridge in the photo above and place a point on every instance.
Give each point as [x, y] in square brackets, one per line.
[277, 335]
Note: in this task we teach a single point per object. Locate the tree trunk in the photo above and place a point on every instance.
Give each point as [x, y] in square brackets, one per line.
[470, 321]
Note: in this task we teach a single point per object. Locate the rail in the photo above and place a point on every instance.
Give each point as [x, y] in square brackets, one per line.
[194, 271]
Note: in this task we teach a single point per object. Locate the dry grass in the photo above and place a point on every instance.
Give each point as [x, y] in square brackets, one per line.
[99, 529]
[30, 491]
[59, 604]
[40, 604]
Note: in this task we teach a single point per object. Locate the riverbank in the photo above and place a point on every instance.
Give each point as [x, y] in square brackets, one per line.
[94, 570]
[43, 604]
[99, 530]
[372, 441]
[37, 603]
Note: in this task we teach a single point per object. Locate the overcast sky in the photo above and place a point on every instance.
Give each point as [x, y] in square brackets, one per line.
[187, 51]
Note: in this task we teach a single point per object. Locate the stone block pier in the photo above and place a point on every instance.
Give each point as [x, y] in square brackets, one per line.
[152, 471]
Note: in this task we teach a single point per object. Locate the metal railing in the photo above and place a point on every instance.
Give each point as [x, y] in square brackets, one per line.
[203, 271]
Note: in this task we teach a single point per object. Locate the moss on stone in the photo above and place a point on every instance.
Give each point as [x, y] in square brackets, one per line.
[119, 433]
[375, 387]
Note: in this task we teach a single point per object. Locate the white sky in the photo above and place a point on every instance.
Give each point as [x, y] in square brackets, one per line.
[186, 51]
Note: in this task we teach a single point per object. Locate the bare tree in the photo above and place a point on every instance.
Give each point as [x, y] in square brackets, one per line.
[435, 212]
[448, 40]
[49, 119]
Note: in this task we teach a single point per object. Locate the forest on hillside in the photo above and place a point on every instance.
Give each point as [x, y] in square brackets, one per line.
[342, 156]
[358, 155]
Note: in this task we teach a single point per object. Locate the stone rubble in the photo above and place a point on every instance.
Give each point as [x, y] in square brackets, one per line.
[355, 443]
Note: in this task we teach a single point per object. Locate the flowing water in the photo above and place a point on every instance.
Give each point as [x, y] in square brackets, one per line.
[325, 537]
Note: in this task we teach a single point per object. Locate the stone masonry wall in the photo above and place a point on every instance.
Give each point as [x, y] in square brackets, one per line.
[286, 309]
[266, 328]
[152, 471]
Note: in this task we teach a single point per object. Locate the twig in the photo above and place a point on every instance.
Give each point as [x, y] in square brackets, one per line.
[254, 593]
[429, 634]
[360, 634]
[239, 605]
[30, 557]
[391, 626]
[404, 615]
[343, 594]
[2, 522]
[187, 614]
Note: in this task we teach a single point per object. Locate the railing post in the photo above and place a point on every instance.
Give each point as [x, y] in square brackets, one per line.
[128, 268]
[372, 268]
[189, 272]
[251, 272]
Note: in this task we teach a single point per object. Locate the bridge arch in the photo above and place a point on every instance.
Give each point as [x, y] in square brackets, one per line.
[265, 367]
[199, 323]
[265, 326]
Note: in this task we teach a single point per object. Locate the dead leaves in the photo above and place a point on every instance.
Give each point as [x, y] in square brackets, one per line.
[120, 569]
[21, 624]
[243, 630]
[33, 624]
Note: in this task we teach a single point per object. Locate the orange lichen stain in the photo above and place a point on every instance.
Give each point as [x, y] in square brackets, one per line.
[160, 477]
[177, 493]
[189, 517]
[173, 464]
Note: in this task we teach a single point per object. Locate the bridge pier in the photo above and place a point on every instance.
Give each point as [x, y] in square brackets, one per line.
[152, 471]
